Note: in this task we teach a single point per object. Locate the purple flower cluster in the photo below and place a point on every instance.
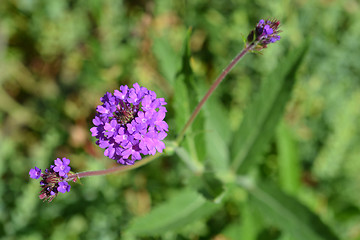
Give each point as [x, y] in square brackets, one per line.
[130, 123]
[266, 32]
[54, 179]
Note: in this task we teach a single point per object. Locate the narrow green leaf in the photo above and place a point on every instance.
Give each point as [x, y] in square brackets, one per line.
[167, 58]
[262, 116]
[288, 159]
[185, 63]
[217, 117]
[181, 95]
[218, 133]
[287, 213]
[181, 104]
[217, 149]
[185, 100]
[216, 130]
[251, 223]
[183, 209]
[198, 134]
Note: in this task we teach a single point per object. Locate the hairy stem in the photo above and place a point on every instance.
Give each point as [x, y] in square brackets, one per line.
[212, 89]
[114, 169]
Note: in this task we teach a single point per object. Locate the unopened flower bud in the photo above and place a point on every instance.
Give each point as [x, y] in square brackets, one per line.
[265, 32]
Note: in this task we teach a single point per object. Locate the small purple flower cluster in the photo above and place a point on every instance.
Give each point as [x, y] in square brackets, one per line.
[129, 123]
[54, 179]
[266, 32]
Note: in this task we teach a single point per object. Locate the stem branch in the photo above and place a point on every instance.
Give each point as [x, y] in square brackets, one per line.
[114, 169]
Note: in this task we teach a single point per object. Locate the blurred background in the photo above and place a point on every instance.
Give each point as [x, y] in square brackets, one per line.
[57, 58]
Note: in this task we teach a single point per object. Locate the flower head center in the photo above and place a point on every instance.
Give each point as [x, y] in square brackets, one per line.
[125, 113]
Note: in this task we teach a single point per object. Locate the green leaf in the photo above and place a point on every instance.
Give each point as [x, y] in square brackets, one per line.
[167, 58]
[262, 116]
[218, 118]
[181, 104]
[217, 134]
[194, 166]
[217, 149]
[185, 61]
[289, 164]
[211, 187]
[185, 100]
[183, 209]
[233, 230]
[198, 136]
[287, 213]
[181, 94]
[251, 223]
[338, 145]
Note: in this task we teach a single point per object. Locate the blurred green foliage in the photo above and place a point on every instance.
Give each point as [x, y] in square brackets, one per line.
[57, 58]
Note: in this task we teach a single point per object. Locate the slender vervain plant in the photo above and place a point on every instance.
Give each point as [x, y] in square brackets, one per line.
[129, 124]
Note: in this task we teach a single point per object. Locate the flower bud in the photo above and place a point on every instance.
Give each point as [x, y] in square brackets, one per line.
[265, 32]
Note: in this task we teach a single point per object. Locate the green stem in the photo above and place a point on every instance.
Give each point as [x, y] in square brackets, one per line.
[212, 89]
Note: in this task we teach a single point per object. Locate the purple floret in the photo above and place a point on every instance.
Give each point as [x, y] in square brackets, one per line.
[63, 187]
[35, 173]
[267, 31]
[61, 166]
[130, 123]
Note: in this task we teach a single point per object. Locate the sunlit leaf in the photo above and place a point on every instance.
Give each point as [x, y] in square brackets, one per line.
[168, 60]
[183, 209]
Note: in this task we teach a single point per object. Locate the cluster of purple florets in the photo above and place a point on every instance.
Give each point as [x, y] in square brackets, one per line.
[130, 123]
[266, 32]
[54, 179]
